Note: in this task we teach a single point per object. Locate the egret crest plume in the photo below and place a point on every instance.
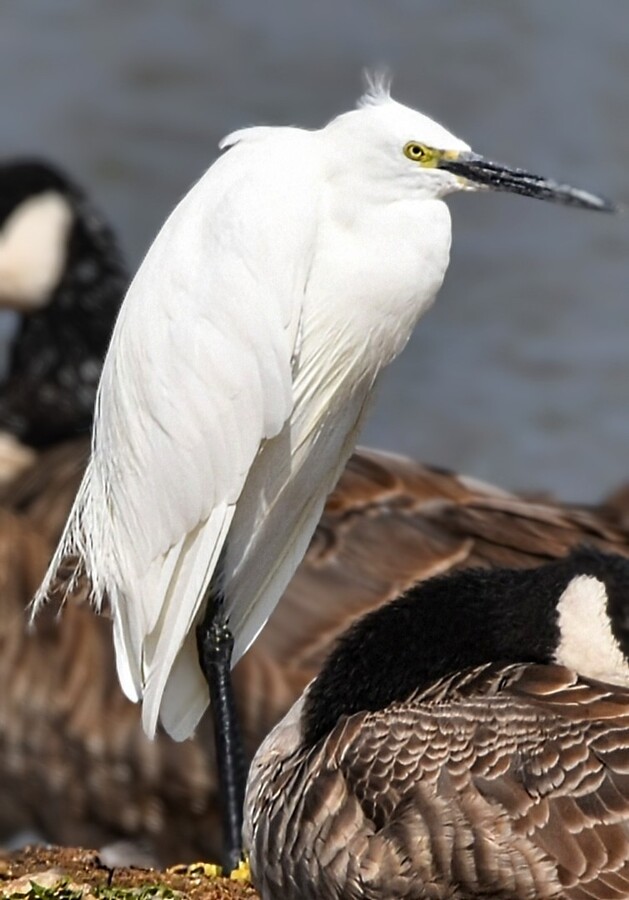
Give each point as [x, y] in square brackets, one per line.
[377, 87]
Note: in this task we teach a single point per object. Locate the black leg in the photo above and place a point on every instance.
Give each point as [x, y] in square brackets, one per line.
[215, 644]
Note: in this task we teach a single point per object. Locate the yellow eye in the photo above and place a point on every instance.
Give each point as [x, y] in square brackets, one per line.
[417, 152]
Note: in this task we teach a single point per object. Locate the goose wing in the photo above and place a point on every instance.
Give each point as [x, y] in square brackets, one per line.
[508, 779]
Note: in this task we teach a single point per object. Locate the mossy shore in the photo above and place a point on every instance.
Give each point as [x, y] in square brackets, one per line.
[62, 873]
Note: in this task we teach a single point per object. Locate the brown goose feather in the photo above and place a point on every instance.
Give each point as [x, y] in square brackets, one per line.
[73, 759]
[503, 781]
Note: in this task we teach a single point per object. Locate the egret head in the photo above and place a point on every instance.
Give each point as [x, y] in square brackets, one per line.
[390, 141]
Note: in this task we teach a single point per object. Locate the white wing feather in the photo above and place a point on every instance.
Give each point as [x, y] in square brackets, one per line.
[197, 377]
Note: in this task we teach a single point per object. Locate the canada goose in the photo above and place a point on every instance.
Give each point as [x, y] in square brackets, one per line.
[61, 270]
[470, 738]
[237, 379]
[74, 762]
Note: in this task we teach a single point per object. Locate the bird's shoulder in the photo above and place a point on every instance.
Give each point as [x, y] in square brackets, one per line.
[269, 169]
[242, 237]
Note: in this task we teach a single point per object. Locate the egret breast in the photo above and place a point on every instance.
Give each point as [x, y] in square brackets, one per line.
[373, 277]
[368, 286]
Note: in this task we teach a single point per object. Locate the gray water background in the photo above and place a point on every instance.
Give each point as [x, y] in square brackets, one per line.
[520, 373]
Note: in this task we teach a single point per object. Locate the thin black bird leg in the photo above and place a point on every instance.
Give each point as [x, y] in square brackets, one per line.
[215, 643]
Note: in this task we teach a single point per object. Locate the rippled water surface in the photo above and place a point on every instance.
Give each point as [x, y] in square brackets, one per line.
[520, 374]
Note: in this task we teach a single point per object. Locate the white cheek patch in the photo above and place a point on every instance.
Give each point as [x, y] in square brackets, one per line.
[587, 643]
[33, 249]
[15, 457]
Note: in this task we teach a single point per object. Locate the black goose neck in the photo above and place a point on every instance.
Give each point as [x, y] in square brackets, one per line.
[444, 625]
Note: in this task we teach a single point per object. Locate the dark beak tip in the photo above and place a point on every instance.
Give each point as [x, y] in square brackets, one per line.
[498, 177]
[607, 206]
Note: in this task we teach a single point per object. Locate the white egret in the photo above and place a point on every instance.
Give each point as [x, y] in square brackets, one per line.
[238, 376]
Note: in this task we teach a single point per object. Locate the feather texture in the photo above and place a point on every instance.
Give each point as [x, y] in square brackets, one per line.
[507, 782]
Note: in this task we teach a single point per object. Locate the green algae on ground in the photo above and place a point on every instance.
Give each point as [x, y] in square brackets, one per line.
[66, 890]
[63, 873]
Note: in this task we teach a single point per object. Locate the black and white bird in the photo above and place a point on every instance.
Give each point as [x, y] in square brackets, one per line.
[61, 270]
[469, 739]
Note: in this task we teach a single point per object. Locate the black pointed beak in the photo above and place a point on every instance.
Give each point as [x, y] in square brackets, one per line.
[496, 177]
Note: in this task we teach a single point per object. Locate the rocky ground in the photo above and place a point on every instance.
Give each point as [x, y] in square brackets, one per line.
[62, 873]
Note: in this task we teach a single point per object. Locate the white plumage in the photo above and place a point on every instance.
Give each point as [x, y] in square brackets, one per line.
[238, 375]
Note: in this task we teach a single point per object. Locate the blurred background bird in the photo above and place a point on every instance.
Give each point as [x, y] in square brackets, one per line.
[62, 273]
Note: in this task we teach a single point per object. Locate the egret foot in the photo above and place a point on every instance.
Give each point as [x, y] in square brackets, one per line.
[243, 870]
[196, 870]
[215, 643]
[210, 870]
